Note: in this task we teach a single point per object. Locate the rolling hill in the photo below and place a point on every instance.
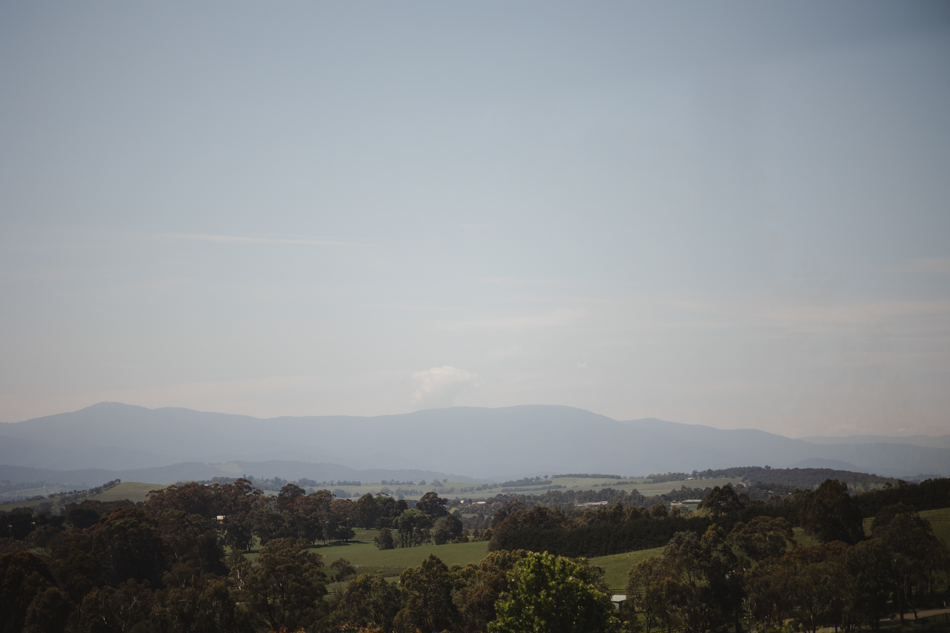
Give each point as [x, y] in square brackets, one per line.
[476, 442]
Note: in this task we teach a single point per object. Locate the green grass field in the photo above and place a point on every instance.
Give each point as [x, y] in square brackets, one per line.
[570, 483]
[131, 490]
[136, 491]
[803, 539]
[617, 566]
[940, 521]
[362, 553]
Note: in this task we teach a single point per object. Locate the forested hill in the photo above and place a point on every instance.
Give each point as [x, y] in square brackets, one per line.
[482, 443]
[795, 477]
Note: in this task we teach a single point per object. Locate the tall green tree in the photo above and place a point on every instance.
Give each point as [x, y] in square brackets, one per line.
[427, 595]
[551, 594]
[413, 525]
[129, 545]
[762, 537]
[915, 552]
[24, 577]
[830, 514]
[478, 588]
[368, 601]
[433, 505]
[286, 586]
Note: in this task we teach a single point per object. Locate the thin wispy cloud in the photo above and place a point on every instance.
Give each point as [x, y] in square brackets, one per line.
[42, 275]
[554, 318]
[516, 281]
[243, 239]
[441, 386]
[933, 265]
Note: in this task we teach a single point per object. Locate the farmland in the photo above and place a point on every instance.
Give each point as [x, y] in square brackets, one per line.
[486, 490]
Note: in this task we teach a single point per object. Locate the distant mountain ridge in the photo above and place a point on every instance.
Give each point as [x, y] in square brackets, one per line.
[199, 471]
[938, 441]
[475, 442]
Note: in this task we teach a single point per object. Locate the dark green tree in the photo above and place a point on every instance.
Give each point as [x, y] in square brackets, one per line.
[285, 588]
[829, 514]
[433, 505]
[447, 529]
[344, 569]
[385, 539]
[915, 553]
[554, 595]
[723, 500]
[762, 537]
[288, 495]
[129, 545]
[479, 586]
[366, 511]
[412, 524]
[116, 610]
[368, 601]
[427, 595]
[24, 577]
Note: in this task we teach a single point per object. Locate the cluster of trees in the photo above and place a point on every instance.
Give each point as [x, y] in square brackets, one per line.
[61, 498]
[245, 512]
[538, 487]
[567, 499]
[756, 573]
[794, 477]
[161, 568]
[621, 526]
[428, 521]
[507, 592]
[590, 533]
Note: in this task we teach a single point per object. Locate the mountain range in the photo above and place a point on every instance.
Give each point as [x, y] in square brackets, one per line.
[163, 445]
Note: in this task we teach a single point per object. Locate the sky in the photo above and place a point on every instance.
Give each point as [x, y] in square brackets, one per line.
[732, 213]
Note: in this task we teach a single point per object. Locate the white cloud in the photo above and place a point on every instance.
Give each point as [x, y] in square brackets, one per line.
[440, 386]
[240, 239]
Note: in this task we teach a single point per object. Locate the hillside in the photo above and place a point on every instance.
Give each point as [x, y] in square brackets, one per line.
[458, 442]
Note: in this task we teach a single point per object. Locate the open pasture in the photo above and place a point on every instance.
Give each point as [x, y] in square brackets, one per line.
[617, 566]
[940, 522]
[459, 490]
[131, 490]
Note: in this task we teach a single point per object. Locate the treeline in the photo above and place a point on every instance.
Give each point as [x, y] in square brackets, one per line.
[596, 532]
[139, 571]
[755, 572]
[567, 499]
[160, 566]
[795, 477]
[625, 524]
[10, 491]
[427, 521]
[63, 498]
[536, 487]
[930, 494]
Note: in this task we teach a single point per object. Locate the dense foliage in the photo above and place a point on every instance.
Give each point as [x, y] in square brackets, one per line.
[161, 566]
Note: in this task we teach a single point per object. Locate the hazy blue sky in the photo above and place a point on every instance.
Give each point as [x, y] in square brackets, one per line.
[734, 214]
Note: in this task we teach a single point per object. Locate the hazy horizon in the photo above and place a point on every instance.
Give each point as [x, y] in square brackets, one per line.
[264, 418]
[729, 214]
